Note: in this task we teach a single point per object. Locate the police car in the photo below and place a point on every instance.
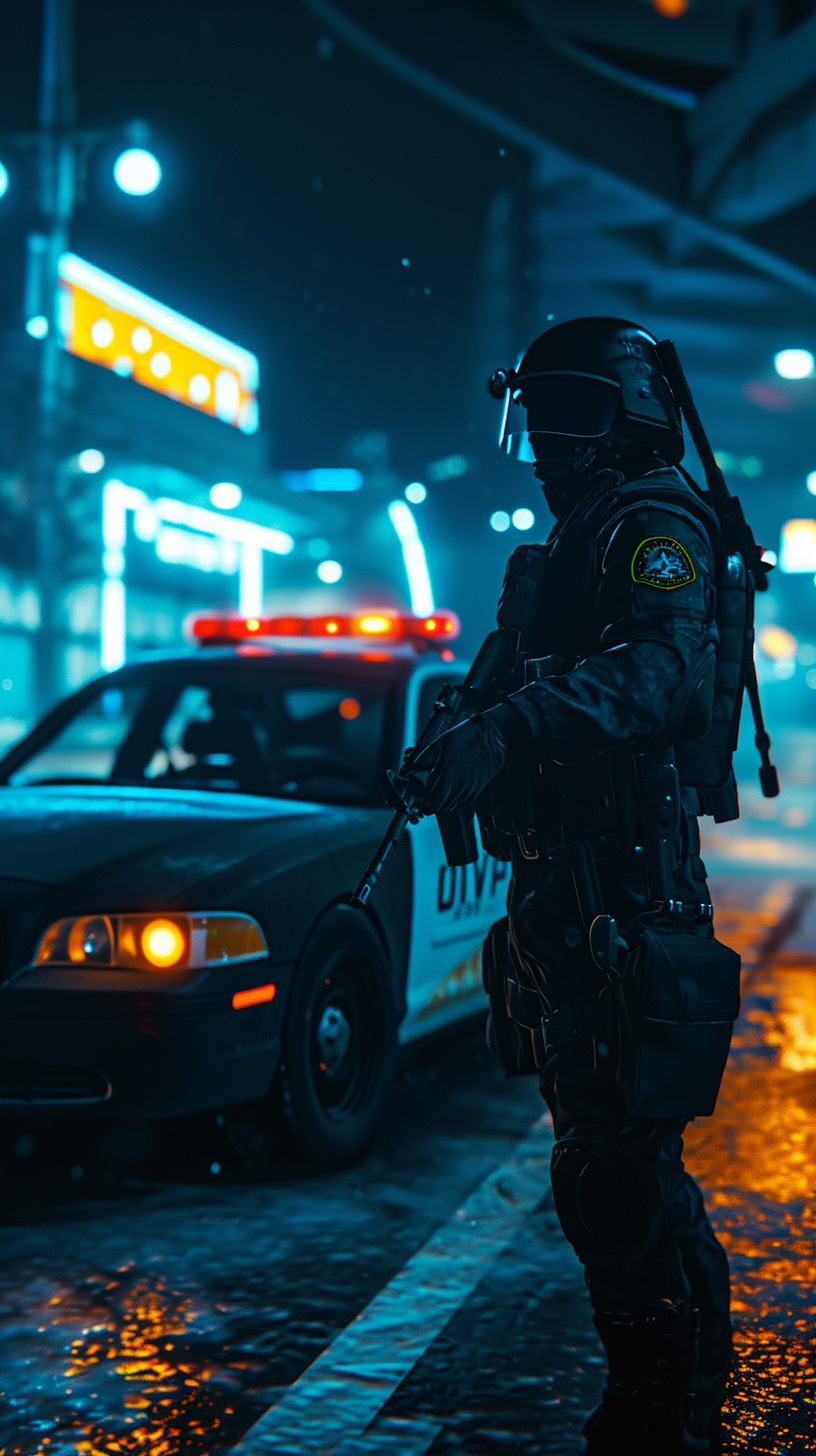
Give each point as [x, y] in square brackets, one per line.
[179, 844]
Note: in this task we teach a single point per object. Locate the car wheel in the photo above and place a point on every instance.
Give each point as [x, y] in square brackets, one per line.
[339, 1042]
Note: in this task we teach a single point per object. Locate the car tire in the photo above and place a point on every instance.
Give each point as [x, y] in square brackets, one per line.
[339, 1042]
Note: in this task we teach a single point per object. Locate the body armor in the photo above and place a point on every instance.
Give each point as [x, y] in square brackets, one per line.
[549, 599]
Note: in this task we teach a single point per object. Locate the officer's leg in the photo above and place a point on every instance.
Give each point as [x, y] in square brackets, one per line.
[615, 1189]
[635, 1220]
[706, 1268]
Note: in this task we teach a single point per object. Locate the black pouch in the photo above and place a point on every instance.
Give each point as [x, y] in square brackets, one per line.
[513, 1045]
[676, 1003]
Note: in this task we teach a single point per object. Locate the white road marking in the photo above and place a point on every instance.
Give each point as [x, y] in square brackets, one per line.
[334, 1401]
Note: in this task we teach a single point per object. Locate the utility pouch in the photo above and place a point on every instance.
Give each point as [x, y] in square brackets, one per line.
[518, 1049]
[705, 762]
[676, 1001]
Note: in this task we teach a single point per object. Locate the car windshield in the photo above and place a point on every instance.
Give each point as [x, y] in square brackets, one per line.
[312, 736]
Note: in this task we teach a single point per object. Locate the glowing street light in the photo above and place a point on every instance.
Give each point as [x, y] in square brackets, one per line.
[794, 364]
[137, 172]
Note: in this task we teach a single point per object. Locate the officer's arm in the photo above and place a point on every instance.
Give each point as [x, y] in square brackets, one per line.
[655, 618]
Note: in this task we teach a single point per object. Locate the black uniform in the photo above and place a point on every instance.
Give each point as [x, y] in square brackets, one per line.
[630, 632]
[615, 610]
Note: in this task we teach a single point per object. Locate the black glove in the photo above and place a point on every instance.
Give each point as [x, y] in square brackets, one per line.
[459, 765]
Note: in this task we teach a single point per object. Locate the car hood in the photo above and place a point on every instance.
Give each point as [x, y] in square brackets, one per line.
[90, 837]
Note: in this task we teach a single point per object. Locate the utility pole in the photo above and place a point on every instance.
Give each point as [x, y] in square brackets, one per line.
[57, 190]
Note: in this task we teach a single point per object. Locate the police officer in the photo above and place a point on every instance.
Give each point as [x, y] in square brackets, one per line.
[575, 779]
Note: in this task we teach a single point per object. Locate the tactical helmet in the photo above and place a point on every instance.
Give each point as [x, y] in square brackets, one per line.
[581, 378]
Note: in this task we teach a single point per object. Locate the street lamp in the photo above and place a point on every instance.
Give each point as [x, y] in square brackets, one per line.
[61, 149]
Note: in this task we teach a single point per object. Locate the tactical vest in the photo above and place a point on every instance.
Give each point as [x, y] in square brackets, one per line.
[548, 597]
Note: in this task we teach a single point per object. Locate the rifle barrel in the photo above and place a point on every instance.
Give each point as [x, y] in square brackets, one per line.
[360, 898]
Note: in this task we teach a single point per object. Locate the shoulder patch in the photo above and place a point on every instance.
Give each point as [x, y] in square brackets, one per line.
[663, 562]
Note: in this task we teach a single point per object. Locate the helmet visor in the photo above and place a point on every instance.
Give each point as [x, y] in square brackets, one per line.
[557, 402]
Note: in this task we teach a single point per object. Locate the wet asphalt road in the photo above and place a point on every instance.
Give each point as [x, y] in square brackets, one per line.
[165, 1309]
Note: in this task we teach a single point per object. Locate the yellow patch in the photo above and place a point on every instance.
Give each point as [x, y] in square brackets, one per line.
[662, 562]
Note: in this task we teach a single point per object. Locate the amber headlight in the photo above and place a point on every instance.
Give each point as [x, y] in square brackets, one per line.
[152, 942]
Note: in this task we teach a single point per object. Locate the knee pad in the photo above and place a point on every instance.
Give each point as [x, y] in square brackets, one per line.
[609, 1204]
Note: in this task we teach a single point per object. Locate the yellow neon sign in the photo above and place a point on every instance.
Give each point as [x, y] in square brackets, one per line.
[109, 323]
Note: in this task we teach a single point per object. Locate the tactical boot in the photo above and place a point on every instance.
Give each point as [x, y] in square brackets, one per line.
[652, 1354]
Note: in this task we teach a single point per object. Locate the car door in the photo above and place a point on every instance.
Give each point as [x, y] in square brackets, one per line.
[453, 906]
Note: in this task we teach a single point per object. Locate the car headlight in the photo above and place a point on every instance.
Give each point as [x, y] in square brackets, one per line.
[152, 942]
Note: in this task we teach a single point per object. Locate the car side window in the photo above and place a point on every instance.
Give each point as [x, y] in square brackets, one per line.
[429, 692]
[324, 741]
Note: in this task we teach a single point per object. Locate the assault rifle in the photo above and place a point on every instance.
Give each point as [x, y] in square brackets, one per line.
[489, 676]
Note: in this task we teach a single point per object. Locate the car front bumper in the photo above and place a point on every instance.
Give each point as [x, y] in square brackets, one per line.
[83, 1052]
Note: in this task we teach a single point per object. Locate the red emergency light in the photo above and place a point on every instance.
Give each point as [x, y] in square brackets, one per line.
[385, 626]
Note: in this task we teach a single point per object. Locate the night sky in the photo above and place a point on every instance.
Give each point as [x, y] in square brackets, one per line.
[297, 176]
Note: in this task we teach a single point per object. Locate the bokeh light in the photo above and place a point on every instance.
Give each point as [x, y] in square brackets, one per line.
[90, 462]
[523, 519]
[225, 495]
[777, 643]
[415, 493]
[330, 572]
[500, 521]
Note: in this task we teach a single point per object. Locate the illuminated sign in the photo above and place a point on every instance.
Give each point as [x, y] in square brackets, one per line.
[110, 323]
[206, 540]
[413, 555]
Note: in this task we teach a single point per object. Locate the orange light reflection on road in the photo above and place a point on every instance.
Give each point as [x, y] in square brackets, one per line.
[755, 1160]
[140, 1360]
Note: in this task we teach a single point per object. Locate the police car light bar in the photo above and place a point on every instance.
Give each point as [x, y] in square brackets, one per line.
[386, 626]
